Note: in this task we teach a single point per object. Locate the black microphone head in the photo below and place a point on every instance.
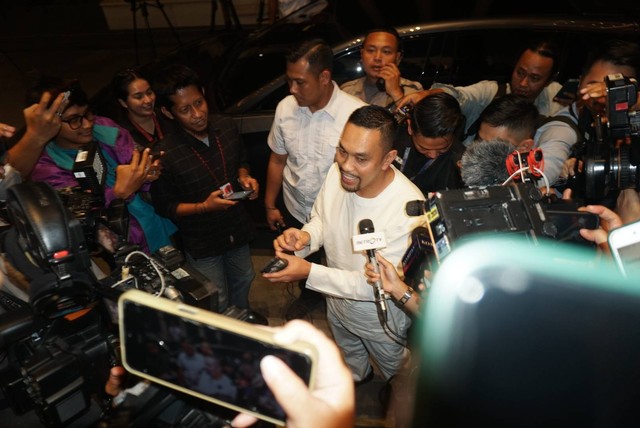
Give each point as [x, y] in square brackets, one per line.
[419, 231]
[414, 208]
[484, 163]
[366, 226]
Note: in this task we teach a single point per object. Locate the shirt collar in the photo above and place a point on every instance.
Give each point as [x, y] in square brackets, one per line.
[332, 106]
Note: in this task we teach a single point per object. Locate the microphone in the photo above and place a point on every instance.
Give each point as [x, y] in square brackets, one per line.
[365, 226]
[483, 163]
[419, 252]
[415, 208]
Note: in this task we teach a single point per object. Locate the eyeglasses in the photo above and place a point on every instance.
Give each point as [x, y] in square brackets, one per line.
[76, 121]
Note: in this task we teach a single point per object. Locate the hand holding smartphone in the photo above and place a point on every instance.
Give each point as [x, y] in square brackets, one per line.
[239, 196]
[206, 355]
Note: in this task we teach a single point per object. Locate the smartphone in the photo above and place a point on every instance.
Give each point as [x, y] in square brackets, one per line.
[567, 224]
[624, 243]
[238, 196]
[276, 264]
[207, 355]
[568, 93]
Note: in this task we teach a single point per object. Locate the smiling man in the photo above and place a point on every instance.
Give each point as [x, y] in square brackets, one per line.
[303, 140]
[128, 171]
[362, 184]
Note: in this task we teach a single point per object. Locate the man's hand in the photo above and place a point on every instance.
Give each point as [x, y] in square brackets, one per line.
[215, 202]
[129, 178]
[415, 97]
[628, 206]
[297, 269]
[388, 276]
[608, 221]
[249, 183]
[330, 404]
[391, 75]
[292, 239]
[43, 123]
[274, 216]
[6, 131]
[115, 383]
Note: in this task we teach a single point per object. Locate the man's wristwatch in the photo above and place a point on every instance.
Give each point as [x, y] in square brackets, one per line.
[406, 296]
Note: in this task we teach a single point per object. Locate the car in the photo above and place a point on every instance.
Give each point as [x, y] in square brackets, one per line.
[454, 52]
[245, 78]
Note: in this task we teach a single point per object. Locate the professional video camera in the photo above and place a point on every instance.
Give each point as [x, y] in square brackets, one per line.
[58, 348]
[521, 209]
[611, 153]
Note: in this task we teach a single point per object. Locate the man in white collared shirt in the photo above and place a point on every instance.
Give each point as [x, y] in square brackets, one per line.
[305, 133]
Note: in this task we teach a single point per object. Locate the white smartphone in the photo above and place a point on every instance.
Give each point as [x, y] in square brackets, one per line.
[624, 243]
[204, 354]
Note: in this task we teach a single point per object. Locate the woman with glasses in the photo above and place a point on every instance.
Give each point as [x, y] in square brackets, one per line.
[117, 170]
[136, 101]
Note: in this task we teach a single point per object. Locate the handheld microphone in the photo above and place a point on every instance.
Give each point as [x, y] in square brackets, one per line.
[415, 208]
[365, 226]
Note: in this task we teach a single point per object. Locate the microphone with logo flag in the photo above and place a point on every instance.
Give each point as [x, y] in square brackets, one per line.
[368, 240]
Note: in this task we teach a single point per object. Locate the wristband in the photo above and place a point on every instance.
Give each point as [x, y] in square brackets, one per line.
[406, 296]
[270, 208]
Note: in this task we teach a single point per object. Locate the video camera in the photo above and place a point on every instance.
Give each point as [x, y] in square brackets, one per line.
[59, 348]
[519, 209]
[611, 153]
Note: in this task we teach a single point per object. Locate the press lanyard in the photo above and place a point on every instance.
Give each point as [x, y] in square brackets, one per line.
[144, 133]
[206, 165]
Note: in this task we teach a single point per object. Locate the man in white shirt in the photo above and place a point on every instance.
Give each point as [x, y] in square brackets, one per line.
[303, 139]
[362, 184]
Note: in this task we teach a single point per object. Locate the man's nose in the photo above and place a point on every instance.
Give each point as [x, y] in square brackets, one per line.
[196, 112]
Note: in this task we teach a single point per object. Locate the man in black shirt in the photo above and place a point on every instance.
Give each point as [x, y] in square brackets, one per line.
[429, 157]
[202, 155]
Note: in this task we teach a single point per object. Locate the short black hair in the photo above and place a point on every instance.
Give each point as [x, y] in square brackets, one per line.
[617, 52]
[438, 115]
[170, 80]
[514, 112]
[56, 85]
[547, 49]
[317, 53]
[379, 118]
[388, 30]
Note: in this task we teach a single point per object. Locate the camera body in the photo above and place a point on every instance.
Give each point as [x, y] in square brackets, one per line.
[59, 346]
[519, 209]
[60, 369]
[610, 152]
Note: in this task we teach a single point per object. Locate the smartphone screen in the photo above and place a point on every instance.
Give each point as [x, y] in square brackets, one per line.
[624, 243]
[211, 363]
[237, 196]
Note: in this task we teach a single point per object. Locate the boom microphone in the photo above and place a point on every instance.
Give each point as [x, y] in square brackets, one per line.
[483, 163]
[366, 226]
